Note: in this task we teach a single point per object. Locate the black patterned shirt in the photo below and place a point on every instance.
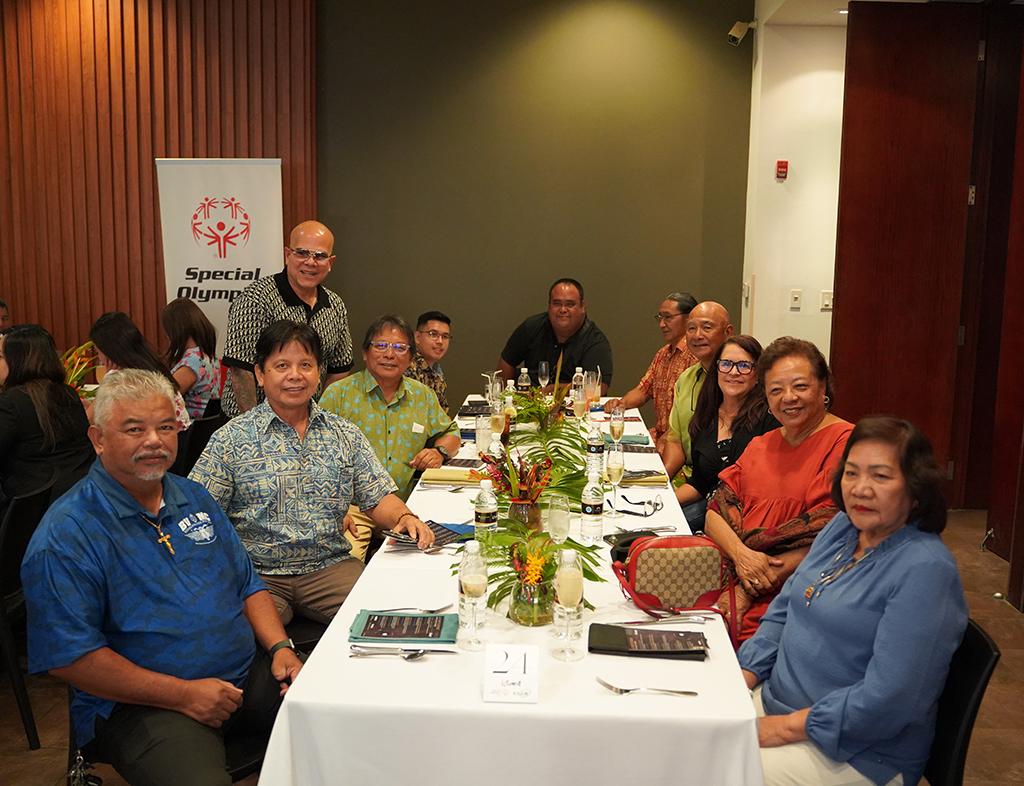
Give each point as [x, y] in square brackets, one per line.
[430, 375]
[269, 299]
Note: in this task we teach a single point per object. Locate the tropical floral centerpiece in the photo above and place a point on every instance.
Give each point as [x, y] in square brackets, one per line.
[521, 565]
[78, 363]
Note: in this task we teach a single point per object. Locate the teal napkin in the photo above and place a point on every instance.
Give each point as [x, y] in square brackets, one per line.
[628, 439]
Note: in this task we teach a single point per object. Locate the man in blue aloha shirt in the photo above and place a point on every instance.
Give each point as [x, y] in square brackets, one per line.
[140, 596]
[285, 473]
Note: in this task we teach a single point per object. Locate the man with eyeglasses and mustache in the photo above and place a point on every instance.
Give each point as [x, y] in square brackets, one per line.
[295, 293]
[400, 417]
[140, 595]
[669, 362]
[433, 337]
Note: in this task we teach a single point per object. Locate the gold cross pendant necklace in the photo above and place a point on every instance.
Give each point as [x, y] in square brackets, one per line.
[164, 539]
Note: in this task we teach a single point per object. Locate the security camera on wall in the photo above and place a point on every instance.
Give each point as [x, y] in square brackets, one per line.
[739, 32]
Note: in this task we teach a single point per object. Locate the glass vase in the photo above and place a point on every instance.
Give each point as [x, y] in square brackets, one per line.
[532, 605]
[526, 512]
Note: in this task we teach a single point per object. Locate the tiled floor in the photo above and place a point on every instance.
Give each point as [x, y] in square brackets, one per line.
[996, 756]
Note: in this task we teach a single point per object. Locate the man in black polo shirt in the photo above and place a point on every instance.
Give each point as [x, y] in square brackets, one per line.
[295, 293]
[565, 328]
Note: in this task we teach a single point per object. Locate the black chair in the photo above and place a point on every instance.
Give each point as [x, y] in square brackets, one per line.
[244, 754]
[304, 632]
[19, 522]
[192, 441]
[969, 672]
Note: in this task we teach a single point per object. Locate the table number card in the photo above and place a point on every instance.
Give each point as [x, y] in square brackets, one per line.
[511, 673]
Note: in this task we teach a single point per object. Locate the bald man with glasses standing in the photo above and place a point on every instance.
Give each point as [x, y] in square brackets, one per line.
[296, 293]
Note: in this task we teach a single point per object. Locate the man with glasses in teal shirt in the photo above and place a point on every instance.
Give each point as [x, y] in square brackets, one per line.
[401, 418]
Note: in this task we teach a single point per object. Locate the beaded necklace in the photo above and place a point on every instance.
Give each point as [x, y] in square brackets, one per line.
[842, 563]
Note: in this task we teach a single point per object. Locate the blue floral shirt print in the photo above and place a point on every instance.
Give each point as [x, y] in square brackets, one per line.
[288, 497]
[397, 429]
[96, 576]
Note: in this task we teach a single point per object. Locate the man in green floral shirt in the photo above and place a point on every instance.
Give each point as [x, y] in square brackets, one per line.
[400, 417]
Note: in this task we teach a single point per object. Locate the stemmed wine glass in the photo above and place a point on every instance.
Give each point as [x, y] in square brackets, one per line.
[558, 518]
[569, 596]
[543, 373]
[617, 423]
[614, 466]
[579, 404]
[472, 588]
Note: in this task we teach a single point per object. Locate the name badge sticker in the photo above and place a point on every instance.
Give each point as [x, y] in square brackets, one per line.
[417, 428]
[512, 673]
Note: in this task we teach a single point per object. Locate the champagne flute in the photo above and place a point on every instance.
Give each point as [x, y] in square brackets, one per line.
[543, 373]
[472, 589]
[558, 518]
[497, 417]
[614, 467]
[569, 596]
[617, 423]
[579, 403]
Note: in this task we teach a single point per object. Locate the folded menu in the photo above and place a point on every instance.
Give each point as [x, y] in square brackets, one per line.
[457, 476]
[644, 477]
[647, 642]
[377, 627]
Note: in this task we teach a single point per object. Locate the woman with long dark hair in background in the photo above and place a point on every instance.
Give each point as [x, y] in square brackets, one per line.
[192, 356]
[43, 426]
[120, 344]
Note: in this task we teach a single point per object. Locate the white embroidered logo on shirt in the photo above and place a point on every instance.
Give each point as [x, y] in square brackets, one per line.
[198, 528]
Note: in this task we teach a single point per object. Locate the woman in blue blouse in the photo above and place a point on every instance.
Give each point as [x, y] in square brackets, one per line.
[852, 655]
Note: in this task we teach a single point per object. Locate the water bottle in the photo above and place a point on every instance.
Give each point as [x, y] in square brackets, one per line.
[592, 505]
[595, 450]
[523, 383]
[472, 595]
[485, 517]
[577, 378]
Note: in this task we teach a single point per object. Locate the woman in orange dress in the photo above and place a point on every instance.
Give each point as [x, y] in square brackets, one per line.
[771, 503]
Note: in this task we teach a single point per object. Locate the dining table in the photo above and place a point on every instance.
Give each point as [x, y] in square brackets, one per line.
[430, 720]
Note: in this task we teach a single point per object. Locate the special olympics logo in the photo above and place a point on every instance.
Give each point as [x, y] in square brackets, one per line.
[221, 222]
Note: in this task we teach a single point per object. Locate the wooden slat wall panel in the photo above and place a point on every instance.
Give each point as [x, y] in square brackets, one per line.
[91, 91]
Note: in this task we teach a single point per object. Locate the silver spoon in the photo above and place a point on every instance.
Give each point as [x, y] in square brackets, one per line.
[403, 654]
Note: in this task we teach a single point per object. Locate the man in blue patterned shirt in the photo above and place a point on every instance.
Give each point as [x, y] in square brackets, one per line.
[285, 473]
[140, 595]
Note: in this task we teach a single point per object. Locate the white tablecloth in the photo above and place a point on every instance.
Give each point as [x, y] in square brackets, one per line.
[382, 720]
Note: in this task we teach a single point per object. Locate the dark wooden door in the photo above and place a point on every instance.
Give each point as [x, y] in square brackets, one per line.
[909, 113]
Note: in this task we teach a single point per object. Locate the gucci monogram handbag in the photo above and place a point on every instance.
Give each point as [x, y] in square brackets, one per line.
[667, 575]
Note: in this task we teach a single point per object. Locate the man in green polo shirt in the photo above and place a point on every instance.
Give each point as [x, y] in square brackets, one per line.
[398, 415]
[707, 328]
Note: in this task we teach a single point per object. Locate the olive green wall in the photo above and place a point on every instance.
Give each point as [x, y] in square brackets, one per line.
[471, 152]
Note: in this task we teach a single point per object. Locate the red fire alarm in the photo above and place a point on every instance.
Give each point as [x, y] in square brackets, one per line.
[781, 170]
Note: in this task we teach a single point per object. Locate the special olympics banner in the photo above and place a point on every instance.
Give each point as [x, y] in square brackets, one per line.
[222, 229]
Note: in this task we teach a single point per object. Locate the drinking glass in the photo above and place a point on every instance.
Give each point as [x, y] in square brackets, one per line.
[569, 597]
[614, 466]
[617, 423]
[592, 383]
[579, 404]
[483, 433]
[497, 418]
[543, 373]
[558, 518]
[472, 590]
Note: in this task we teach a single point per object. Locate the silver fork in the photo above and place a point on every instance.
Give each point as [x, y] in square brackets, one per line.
[626, 691]
[438, 610]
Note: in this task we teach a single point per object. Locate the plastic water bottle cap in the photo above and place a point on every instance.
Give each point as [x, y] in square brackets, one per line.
[523, 369]
[486, 484]
[579, 369]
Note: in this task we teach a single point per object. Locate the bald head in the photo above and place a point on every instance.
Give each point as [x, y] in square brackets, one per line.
[707, 328]
[311, 233]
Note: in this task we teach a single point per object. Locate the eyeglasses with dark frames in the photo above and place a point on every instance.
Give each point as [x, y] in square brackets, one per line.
[742, 366]
[304, 253]
[648, 507]
[434, 335]
[659, 317]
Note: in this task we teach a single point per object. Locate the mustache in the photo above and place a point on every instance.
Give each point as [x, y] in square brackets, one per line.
[151, 454]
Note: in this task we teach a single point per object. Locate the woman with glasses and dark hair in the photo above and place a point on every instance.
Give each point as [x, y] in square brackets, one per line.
[851, 657]
[769, 505]
[120, 344]
[731, 410]
[192, 355]
[43, 426]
